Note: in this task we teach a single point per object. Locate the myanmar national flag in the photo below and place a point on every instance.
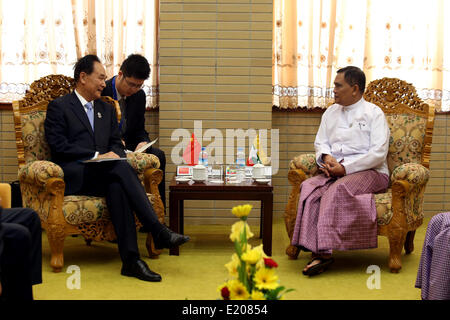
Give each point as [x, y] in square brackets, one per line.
[253, 157]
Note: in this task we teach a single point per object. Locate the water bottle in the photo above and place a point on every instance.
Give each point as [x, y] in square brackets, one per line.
[203, 157]
[240, 161]
[240, 157]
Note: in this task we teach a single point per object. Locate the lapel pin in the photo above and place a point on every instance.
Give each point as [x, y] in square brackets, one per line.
[99, 115]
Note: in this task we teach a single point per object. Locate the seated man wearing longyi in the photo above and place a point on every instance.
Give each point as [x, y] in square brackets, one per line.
[336, 209]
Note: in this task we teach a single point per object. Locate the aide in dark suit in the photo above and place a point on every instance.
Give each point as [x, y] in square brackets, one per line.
[20, 253]
[72, 139]
[126, 88]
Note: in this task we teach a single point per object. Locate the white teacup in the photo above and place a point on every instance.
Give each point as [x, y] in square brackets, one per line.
[258, 171]
[199, 173]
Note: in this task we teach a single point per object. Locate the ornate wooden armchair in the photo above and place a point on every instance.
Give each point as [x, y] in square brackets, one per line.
[42, 181]
[399, 210]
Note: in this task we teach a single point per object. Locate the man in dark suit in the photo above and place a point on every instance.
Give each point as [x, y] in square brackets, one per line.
[126, 87]
[79, 126]
[20, 253]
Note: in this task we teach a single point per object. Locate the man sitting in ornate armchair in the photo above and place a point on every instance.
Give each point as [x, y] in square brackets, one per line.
[343, 208]
[97, 202]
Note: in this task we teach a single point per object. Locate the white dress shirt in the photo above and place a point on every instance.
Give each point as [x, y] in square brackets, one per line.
[83, 100]
[357, 136]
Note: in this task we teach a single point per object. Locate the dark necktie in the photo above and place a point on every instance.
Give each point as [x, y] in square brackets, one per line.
[123, 119]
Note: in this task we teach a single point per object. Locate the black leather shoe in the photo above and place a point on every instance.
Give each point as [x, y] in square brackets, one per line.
[140, 270]
[169, 239]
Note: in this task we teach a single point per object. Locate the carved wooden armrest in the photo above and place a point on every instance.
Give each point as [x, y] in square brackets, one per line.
[5, 195]
[39, 172]
[296, 177]
[300, 168]
[42, 186]
[142, 161]
[408, 187]
[307, 163]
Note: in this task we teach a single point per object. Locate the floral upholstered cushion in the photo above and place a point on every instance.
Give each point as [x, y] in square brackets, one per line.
[383, 203]
[86, 209]
[414, 173]
[142, 161]
[407, 139]
[35, 146]
[306, 162]
[80, 209]
[38, 172]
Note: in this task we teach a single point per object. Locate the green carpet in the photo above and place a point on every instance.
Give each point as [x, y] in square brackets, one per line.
[199, 270]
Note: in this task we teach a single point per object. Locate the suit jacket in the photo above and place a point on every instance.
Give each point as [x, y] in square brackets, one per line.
[135, 115]
[71, 139]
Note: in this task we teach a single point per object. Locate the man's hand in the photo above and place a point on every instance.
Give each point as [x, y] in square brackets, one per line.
[337, 170]
[332, 167]
[108, 155]
[141, 144]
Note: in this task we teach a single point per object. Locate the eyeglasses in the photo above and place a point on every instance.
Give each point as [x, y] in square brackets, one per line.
[133, 85]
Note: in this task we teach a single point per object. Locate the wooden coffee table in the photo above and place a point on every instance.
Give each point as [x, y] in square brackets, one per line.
[246, 190]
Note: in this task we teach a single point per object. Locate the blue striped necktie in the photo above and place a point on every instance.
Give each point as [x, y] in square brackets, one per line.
[90, 114]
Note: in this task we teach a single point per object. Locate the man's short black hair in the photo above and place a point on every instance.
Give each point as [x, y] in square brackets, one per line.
[135, 66]
[354, 75]
[84, 64]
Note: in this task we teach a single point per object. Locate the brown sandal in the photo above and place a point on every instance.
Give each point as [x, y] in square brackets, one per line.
[318, 268]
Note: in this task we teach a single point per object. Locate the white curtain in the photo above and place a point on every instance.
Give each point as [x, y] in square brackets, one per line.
[44, 37]
[409, 40]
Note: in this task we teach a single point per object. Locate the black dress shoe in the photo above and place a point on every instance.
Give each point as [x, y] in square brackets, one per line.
[169, 239]
[140, 270]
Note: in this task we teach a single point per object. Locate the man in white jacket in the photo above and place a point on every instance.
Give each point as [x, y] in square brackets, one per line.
[336, 209]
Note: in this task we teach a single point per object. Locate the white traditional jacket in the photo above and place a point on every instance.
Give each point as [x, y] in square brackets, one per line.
[356, 135]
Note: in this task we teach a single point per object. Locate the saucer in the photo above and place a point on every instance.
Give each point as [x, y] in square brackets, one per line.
[199, 180]
[182, 179]
[216, 181]
[262, 181]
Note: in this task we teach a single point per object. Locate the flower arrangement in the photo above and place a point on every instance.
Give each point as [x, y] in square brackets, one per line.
[253, 271]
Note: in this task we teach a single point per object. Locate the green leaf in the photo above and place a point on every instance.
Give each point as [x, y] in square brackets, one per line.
[238, 248]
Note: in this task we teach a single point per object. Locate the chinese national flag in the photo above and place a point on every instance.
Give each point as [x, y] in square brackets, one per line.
[192, 151]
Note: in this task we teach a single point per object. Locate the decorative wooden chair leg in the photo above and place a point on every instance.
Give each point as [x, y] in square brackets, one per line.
[292, 252]
[88, 242]
[56, 238]
[396, 245]
[409, 243]
[153, 253]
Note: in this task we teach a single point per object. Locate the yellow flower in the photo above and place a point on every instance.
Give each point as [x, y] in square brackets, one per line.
[260, 263]
[237, 229]
[251, 256]
[242, 211]
[266, 279]
[257, 295]
[233, 265]
[238, 291]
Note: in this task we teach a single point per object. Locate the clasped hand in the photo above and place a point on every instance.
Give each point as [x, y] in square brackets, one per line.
[108, 155]
[332, 168]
